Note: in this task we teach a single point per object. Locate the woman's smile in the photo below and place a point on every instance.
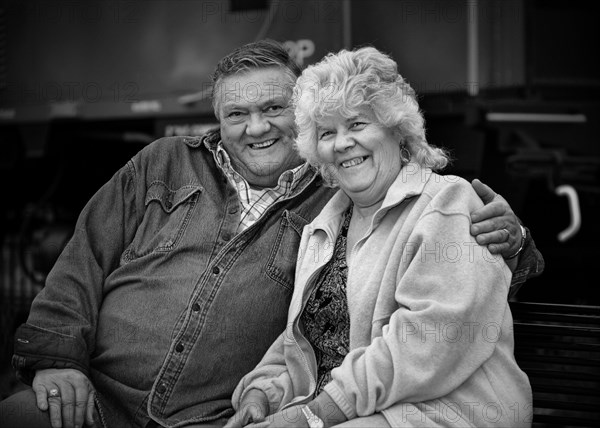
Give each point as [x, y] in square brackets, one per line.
[353, 162]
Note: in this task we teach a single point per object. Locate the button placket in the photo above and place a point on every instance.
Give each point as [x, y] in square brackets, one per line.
[183, 344]
[169, 201]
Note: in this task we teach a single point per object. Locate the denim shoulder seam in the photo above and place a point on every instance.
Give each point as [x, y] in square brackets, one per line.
[131, 176]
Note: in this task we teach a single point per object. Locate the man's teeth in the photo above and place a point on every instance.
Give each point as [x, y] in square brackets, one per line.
[353, 162]
[263, 144]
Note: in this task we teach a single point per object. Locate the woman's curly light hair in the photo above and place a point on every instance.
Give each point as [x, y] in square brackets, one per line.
[343, 82]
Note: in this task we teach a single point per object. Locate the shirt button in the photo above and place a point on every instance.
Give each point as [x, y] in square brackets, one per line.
[161, 389]
[179, 347]
[196, 307]
[233, 209]
[168, 205]
[226, 237]
[216, 270]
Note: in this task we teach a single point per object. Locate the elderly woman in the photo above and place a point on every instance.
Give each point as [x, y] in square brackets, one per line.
[398, 318]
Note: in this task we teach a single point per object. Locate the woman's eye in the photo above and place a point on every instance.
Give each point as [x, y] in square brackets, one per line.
[324, 134]
[357, 125]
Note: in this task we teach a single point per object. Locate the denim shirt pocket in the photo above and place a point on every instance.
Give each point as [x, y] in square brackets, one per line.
[281, 264]
[166, 217]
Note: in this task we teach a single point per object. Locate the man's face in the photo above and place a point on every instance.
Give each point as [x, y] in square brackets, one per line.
[257, 124]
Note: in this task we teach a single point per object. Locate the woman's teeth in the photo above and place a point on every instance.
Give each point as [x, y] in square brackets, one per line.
[263, 144]
[353, 162]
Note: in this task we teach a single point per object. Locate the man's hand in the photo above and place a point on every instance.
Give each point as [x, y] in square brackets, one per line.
[254, 408]
[495, 224]
[74, 401]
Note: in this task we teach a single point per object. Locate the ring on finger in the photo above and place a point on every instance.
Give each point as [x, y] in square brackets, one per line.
[507, 233]
[54, 393]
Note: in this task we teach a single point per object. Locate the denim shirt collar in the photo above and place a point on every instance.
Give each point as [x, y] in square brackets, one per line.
[302, 177]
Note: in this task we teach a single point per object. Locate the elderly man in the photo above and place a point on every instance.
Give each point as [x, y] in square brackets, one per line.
[181, 268]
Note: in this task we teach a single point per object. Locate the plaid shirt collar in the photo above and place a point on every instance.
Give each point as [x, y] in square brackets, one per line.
[255, 202]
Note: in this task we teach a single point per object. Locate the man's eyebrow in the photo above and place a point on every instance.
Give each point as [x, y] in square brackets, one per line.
[280, 83]
[231, 105]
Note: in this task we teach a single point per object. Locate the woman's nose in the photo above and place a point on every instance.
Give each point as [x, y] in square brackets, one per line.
[257, 125]
[343, 142]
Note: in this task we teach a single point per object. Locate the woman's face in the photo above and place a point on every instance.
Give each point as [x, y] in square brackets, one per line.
[362, 156]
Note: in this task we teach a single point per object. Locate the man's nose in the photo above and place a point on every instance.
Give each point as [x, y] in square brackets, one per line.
[257, 125]
[343, 142]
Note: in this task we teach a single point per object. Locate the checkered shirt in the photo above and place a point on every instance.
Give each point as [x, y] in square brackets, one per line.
[255, 202]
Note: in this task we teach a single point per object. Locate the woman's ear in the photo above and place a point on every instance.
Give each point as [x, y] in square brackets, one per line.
[398, 136]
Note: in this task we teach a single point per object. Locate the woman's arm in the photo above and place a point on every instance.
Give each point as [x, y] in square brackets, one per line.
[270, 377]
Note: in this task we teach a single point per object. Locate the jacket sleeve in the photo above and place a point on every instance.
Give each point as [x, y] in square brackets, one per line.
[271, 376]
[60, 331]
[451, 299]
[530, 264]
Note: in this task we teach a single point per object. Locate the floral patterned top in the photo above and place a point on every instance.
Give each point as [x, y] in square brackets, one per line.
[325, 318]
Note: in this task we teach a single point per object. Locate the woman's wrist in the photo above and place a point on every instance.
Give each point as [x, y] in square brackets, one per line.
[257, 398]
[327, 410]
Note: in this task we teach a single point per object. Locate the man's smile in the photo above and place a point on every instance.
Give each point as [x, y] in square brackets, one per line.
[264, 144]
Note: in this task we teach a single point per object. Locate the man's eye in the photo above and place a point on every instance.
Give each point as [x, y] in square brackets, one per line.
[276, 109]
[235, 116]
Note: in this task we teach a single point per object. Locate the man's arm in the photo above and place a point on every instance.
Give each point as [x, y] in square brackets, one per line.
[52, 349]
[497, 226]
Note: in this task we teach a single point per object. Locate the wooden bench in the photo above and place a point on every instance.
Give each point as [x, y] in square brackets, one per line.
[558, 346]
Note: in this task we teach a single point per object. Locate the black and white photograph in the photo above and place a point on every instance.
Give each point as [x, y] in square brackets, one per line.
[299, 213]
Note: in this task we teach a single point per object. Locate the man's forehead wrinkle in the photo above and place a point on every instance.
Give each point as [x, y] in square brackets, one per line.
[235, 85]
[238, 102]
[251, 97]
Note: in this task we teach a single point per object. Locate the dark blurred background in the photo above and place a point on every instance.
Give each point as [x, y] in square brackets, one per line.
[512, 87]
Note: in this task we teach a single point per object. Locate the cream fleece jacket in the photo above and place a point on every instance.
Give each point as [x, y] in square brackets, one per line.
[431, 340]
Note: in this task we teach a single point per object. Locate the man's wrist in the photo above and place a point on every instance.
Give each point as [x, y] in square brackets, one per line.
[523, 238]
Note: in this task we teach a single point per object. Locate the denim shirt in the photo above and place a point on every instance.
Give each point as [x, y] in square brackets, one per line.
[157, 299]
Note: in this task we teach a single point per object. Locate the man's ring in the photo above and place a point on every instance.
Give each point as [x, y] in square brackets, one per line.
[54, 393]
[507, 233]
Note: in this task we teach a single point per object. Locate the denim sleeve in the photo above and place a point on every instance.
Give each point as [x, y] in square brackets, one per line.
[61, 328]
[530, 264]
